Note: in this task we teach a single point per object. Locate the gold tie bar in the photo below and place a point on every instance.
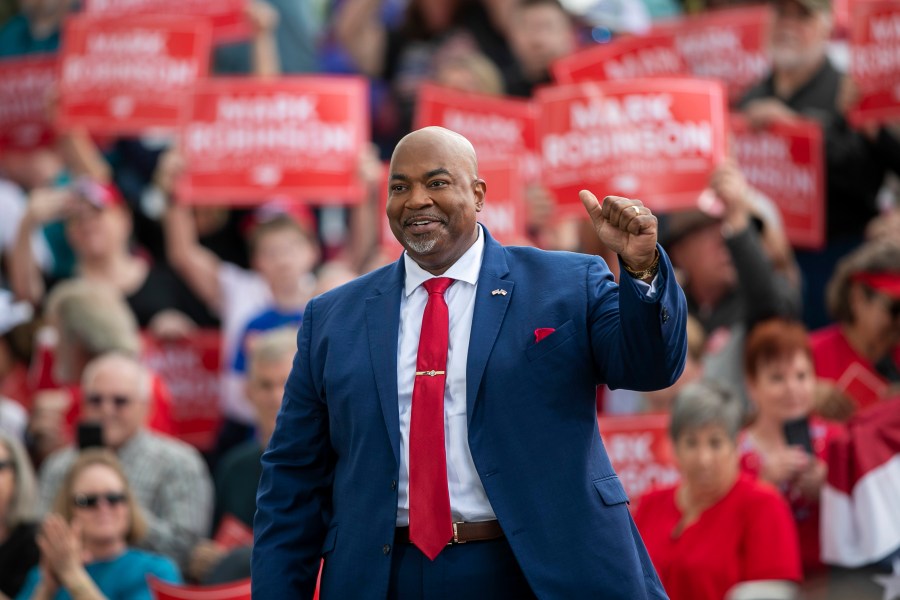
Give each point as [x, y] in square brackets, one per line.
[431, 373]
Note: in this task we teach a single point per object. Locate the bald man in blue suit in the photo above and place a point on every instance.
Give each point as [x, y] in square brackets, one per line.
[537, 509]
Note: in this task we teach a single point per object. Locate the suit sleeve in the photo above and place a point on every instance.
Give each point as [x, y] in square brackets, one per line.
[295, 486]
[639, 342]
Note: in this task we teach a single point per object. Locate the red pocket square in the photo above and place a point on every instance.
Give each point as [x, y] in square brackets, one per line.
[542, 332]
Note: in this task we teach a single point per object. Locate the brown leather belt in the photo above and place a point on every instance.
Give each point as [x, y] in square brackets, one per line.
[479, 531]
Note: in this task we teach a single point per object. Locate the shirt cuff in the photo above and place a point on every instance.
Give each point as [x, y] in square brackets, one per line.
[648, 289]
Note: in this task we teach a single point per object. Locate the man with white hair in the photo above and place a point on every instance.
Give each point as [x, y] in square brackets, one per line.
[169, 478]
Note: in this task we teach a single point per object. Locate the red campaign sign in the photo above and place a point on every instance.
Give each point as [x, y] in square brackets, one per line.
[190, 369]
[247, 140]
[875, 60]
[503, 213]
[225, 16]
[640, 451]
[499, 128]
[654, 139]
[729, 45]
[24, 86]
[786, 163]
[127, 76]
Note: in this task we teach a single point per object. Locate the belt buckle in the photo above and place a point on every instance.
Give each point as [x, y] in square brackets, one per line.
[456, 539]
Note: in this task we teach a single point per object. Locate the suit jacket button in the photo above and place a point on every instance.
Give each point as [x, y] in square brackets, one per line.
[393, 485]
[386, 549]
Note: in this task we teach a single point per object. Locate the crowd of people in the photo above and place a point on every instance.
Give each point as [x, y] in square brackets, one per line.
[785, 347]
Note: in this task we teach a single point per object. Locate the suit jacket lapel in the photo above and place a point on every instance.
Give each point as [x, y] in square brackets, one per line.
[490, 308]
[383, 324]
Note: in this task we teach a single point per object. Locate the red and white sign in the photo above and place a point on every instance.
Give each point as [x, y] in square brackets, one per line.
[786, 163]
[640, 451]
[225, 16]
[499, 128]
[122, 76]
[248, 140]
[24, 86]
[190, 369]
[728, 45]
[503, 213]
[504, 205]
[875, 60]
[654, 139]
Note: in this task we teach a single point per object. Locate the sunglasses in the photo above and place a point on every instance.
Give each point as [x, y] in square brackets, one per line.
[93, 500]
[96, 400]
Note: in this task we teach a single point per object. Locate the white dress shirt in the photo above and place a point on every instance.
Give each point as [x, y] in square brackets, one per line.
[468, 500]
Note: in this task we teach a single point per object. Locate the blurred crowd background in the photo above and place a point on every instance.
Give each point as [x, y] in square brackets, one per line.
[794, 360]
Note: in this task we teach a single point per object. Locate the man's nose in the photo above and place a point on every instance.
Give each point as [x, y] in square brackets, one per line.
[419, 196]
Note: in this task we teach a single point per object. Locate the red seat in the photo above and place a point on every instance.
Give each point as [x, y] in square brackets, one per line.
[161, 590]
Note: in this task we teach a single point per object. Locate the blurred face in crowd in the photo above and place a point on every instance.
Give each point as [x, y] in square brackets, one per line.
[434, 197]
[100, 505]
[115, 396]
[540, 35]
[265, 388]
[707, 458]
[876, 319]
[704, 258]
[283, 256]
[436, 14]
[784, 387]
[7, 481]
[799, 36]
[98, 233]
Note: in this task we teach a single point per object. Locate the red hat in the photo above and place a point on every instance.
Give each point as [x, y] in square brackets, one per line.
[886, 283]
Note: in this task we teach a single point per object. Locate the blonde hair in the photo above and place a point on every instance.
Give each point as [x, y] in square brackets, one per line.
[22, 506]
[63, 504]
[273, 346]
[94, 316]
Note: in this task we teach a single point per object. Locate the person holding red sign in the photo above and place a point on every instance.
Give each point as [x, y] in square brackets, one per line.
[717, 534]
[804, 83]
[438, 433]
[861, 352]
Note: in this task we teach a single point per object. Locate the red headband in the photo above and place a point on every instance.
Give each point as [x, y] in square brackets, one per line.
[886, 283]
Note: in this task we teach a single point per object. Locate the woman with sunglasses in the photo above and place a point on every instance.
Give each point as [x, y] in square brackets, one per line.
[861, 352]
[18, 497]
[86, 543]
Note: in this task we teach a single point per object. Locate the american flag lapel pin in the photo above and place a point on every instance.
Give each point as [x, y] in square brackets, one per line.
[498, 292]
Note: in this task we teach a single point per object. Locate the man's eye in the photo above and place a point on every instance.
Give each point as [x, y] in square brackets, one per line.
[437, 184]
[398, 188]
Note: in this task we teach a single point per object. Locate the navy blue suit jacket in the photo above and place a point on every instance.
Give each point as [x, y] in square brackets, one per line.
[328, 486]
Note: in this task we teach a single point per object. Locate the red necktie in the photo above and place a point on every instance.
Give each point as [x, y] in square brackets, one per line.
[430, 526]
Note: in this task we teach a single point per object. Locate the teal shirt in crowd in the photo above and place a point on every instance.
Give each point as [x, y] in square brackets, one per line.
[16, 39]
[122, 578]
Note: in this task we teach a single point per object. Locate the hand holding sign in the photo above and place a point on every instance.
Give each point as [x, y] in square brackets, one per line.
[626, 227]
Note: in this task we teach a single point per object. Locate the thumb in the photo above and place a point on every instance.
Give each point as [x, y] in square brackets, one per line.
[591, 205]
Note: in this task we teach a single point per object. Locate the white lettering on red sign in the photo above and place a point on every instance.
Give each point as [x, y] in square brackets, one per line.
[280, 107]
[494, 129]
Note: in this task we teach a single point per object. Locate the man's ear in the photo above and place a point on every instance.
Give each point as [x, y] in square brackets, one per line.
[480, 188]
